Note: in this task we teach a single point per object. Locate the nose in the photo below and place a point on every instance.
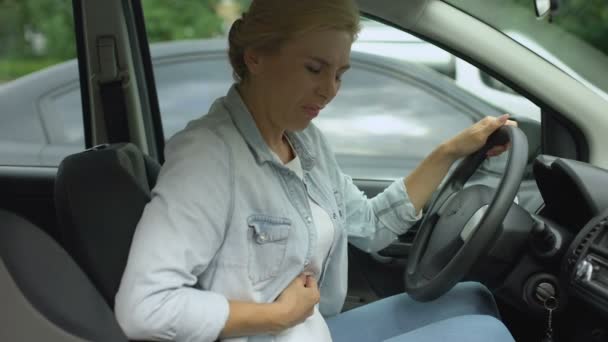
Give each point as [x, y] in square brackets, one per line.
[328, 88]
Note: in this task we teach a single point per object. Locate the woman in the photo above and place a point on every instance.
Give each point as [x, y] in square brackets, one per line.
[246, 232]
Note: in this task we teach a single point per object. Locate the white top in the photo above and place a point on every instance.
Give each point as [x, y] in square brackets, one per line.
[314, 327]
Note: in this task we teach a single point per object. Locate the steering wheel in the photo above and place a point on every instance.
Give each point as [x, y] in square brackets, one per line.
[461, 224]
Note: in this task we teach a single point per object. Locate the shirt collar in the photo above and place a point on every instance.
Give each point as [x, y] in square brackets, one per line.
[244, 122]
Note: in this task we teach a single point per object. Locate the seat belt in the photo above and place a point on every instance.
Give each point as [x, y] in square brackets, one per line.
[111, 89]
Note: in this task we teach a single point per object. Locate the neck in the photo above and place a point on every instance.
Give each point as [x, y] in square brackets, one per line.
[260, 111]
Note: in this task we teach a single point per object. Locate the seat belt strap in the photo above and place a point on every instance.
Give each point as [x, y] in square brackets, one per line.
[111, 91]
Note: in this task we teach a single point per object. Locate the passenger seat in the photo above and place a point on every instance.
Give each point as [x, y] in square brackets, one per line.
[44, 296]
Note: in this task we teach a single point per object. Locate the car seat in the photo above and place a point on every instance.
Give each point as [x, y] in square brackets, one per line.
[100, 195]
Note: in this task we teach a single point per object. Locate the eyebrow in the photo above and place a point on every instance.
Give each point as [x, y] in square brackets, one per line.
[326, 63]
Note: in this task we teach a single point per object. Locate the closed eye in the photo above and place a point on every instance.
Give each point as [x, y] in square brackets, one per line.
[313, 70]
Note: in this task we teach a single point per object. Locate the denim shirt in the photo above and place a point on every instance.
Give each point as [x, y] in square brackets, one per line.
[228, 222]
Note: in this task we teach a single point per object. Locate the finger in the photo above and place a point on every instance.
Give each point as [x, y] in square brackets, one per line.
[511, 123]
[496, 150]
[301, 279]
[493, 124]
[308, 280]
[499, 148]
[501, 120]
[311, 282]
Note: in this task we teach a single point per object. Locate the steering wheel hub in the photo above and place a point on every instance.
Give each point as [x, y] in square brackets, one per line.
[457, 221]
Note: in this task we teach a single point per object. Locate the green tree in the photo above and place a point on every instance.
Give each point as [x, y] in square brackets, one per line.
[586, 19]
[173, 20]
[50, 21]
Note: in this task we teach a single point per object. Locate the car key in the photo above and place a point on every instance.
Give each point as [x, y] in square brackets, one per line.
[550, 304]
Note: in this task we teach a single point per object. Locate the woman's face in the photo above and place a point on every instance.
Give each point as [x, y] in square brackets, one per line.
[302, 77]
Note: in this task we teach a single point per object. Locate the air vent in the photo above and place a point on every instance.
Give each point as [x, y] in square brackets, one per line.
[587, 239]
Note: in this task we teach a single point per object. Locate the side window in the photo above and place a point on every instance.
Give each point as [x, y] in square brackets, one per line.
[382, 116]
[455, 81]
[188, 86]
[190, 57]
[380, 39]
[402, 97]
[41, 117]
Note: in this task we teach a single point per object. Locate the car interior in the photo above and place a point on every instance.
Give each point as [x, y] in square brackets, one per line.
[65, 231]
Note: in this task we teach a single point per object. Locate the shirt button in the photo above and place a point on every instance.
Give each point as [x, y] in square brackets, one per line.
[308, 219]
[263, 237]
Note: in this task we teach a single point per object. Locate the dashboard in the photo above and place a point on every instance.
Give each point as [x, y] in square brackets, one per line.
[576, 199]
[573, 192]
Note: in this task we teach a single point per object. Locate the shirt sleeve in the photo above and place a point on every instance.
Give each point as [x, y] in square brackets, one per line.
[180, 231]
[372, 224]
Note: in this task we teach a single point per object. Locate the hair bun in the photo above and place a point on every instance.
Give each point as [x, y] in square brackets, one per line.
[236, 25]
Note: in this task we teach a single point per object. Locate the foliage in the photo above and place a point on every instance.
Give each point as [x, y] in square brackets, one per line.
[24, 25]
[586, 19]
[174, 20]
[13, 68]
[33, 32]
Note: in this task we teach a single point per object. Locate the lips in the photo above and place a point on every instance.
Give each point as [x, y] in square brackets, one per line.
[312, 111]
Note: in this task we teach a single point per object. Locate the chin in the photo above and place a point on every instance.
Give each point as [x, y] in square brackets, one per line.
[300, 126]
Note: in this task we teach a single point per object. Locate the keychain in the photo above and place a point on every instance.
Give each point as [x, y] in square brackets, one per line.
[550, 304]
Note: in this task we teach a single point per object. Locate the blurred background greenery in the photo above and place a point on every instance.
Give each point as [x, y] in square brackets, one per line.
[38, 33]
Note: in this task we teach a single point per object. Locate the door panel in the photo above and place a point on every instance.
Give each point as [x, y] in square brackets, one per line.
[375, 276]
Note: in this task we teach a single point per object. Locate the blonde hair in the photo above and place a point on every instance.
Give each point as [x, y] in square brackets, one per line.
[270, 23]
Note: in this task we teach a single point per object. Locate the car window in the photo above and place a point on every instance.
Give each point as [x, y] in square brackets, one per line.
[572, 36]
[187, 87]
[401, 98]
[41, 117]
[378, 118]
[378, 38]
[359, 124]
[385, 41]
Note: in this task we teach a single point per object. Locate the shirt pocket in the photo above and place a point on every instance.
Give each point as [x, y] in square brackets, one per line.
[267, 245]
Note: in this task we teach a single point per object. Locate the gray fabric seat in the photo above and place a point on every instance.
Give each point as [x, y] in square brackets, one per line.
[44, 294]
[99, 196]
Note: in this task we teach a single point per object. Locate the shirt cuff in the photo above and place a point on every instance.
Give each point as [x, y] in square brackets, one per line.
[394, 208]
[419, 215]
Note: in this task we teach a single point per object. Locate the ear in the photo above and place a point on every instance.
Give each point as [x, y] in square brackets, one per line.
[253, 60]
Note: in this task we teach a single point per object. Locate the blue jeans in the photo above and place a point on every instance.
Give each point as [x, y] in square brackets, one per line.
[466, 313]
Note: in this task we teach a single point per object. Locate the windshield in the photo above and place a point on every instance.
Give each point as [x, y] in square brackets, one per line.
[574, 39]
